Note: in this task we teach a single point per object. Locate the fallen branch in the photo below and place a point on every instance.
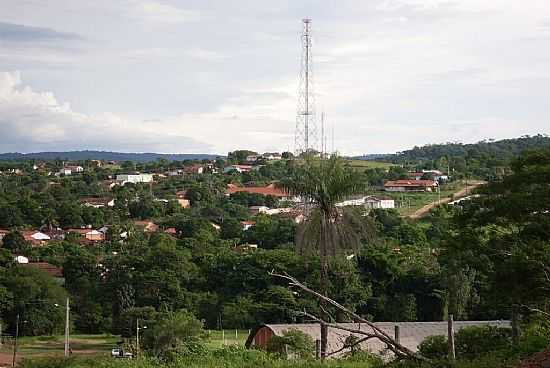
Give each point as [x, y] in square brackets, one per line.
[398, 349]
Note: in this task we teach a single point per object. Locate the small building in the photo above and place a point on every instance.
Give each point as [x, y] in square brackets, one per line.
[134, 178]
[372, 202]
[270, 190]
[247, 224]
[71, 169]
[272, 156]
[252, 158]
[36, 238]
[411, 185]
[238, 168]
[146, 226]
[254, 210]
[411, 334]
[194, 169]
[88, 234]
[97, 202]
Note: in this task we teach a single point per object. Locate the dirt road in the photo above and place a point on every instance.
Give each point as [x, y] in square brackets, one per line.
[423, 211]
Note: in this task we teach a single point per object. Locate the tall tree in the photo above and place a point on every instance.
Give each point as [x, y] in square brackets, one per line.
[328, 228]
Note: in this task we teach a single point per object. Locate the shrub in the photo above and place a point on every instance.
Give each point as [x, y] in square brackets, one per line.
[294, 342]
[434, 347]
[472, 342]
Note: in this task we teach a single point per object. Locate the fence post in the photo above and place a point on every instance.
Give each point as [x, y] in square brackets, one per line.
[451, 337]
[317, 349]
[396, 333]
[223, 337]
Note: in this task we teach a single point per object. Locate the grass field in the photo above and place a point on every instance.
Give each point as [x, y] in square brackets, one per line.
[412, 202]
[216, 339]
[364, 164]
[100, 345]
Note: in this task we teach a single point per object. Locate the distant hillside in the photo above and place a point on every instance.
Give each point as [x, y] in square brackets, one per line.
[103, 155]
[501, 150]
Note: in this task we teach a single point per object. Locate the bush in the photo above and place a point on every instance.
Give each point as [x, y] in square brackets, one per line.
[434, 347]
[472, 342]
[294, 342]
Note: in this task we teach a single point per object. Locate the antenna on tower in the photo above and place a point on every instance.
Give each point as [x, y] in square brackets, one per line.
[305, 136]
[323, 148]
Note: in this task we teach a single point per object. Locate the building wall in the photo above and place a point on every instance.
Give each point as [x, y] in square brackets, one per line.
[262, 337]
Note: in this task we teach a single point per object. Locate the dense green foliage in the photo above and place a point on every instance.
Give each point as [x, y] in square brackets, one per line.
[476, 260]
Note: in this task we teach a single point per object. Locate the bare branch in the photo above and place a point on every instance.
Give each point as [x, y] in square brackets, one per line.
[398, 349]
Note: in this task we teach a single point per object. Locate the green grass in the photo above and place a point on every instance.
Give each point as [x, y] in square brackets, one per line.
[54, 345]
[364, 164]
[414, 201]
[216, 339]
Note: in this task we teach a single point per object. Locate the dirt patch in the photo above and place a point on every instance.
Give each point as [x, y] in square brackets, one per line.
[6, 359]
[423, 211]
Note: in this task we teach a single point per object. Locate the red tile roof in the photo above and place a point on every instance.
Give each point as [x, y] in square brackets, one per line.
[52, 270]
[410, 183]
[271, 190]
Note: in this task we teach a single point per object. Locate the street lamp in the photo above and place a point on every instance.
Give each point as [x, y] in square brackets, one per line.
[67, 331]
[137, 335]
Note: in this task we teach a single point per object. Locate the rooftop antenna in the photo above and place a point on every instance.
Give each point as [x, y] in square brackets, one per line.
[305, 136]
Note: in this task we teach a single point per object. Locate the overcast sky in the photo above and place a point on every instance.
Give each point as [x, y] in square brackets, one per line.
[210, 76]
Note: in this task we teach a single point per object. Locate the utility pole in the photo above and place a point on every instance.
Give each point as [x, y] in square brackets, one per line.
[67, 309]
[15, 343]
[137, 337]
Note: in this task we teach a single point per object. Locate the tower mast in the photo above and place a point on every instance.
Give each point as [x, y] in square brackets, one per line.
[305, 137]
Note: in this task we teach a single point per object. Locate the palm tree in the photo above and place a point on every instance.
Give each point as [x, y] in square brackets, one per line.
[328, 228]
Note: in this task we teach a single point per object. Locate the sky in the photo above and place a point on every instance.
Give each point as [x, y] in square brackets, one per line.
[212, 76]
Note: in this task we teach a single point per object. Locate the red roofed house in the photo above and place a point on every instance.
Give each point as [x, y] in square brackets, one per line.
[270, 190]
[50, 269]
[88, 234]
[146, 226]
[247, 224]
[36, 238]
[410, 185]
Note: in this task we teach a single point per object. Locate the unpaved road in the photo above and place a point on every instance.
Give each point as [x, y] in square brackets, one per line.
[423, 211]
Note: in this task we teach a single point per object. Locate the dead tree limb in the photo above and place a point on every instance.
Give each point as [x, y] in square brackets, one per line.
[398, 349]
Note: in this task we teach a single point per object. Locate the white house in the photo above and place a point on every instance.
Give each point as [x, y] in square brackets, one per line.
[272, 156]
[373, 202]
[134, 178]
[237, 168]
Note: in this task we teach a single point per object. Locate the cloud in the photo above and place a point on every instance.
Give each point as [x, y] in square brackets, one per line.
[22, 33]
[154, 11]
[33, 121]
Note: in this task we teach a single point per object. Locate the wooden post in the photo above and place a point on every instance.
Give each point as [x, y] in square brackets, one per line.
[451, 337]
[317, 349]
[223, 337]
[15, 343]
[396, 333]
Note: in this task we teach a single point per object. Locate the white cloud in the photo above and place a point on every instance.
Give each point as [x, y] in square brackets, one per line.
[155, 11]
[32, 121]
